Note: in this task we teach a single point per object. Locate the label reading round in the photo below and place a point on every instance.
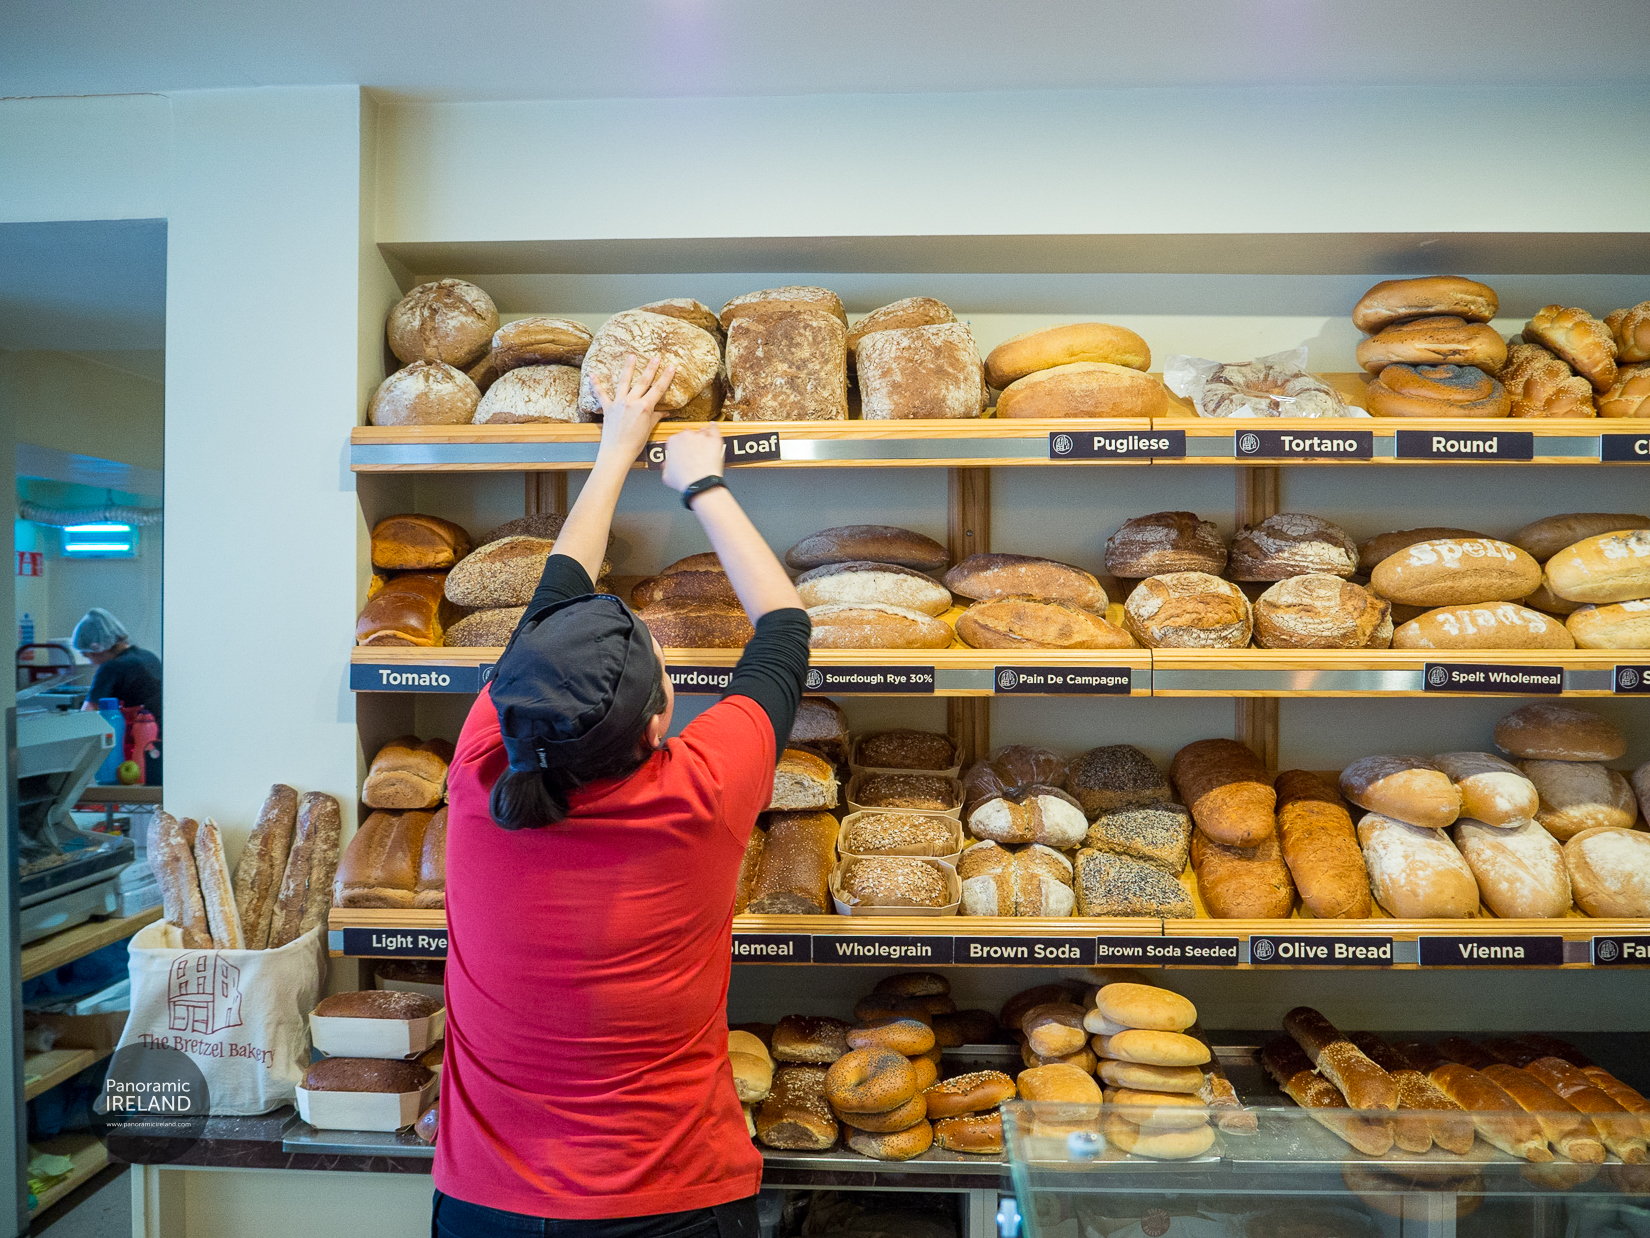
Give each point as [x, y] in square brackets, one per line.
[1063, 680]
[1483, 677]
[1116, 444]
[772, 948]
[1466, 445]
[1026, 951]
[1545, 951]
[878, 679]
[395, 943]
[1624, 448]
[736, 449]
[414, 678]
[1304, 445]
[1621, 952]
[1321, 951]
[1168, 951]
[850, 948]
[1634, 680]
[700, 679]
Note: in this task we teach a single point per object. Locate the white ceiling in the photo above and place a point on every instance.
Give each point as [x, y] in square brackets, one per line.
[548, 49]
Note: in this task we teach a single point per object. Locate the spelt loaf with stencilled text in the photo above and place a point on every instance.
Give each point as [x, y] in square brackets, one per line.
[1483, 625]
[1612, 567]
[1384, 545]
[1456, 572]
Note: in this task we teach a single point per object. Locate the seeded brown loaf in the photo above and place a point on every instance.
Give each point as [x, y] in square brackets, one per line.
[501, 573]
[1188, 610]
[365, 1074]
[797, 857]
[1159, 835]
[485, 629]
[1321, 847]
[876, 625]
[919, 373]
[924, 792]
[1580, 795]
[418, 543]
[379, 868]
[446, 320]
[411, 609]
[1493, 791]
[1383, 545]
[408, 773]
[1115, 777]
[1405, 788]
[789, 365]
[1456, 572]
[1117, 885]
[1031, 351]
[1546, 731]
[1613, 567]
[425, 393]
[1037, 623]
[1227, 789]
[1165, 542]
[1319, 611]
[906, 749]
[898, 833]
[1485, 625]
[1581, 340]
[906, 312]
[877, 543]
[894, 881]
[1396, 300]
[985, 576]
[1610, 872]
[795, 1115]
[1085, 389]
[697, 625]
[1520, 870]
[872, 582]
[1439, 340]
[803, 780]
[1291, 544]
[821, 727]
[1416, 873]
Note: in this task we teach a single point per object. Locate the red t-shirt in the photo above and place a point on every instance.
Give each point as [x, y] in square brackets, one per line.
[586, 1071]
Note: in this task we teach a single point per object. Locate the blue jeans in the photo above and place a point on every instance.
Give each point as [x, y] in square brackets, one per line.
[454, 1218]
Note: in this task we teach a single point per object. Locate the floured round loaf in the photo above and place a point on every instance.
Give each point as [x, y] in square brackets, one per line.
[1487, 625]
[1620, 625]
[445, 320]
[531, 393]
[906, 312]
[425, 393]
[1085, 389]
[981, 577]
[1493, 791]
[1405, 788]
[1318, 611]
[706, 406]
[1613, 567]
[540, 341]
[1610, 872]
[1520, 871]
[1291, 544]
[1078, 341]
[636, 333]
[483, 373]
[1441, 340]
[1188, 610]
[1580, 795]
[1456, 572]
[1165, 542]
[1397, 300]
[1383, 545]
[920, 373]
[876, 543]
[1044, 815]
[875, 625]
[872, 582]
[1037, 623]
[783, 300]
[1416, 873]
[697, 625]
[1033, 881]
[790, 365]
[1547, 731]
[688, 310]
[1544, 538]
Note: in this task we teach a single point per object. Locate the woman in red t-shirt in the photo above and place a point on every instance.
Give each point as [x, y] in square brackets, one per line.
[591, 865]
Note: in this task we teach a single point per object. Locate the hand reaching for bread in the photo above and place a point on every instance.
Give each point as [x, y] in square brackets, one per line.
[629, 416]
[693, 454]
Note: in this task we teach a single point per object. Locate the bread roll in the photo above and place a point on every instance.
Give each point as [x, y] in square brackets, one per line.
[1318, 611]
[1436, 391]
[1085, 389]
[1162, 1145]
[1544, 538]
[534, 393]
[1560, 1123]
[1227, 789]
[1146, 1006]
[380, 866]
[1153, 1048]
[783, 300]
[1115, 777]
[872, 582]
[1397, 300]
[875, 625]
[636, 333]
[1580, 795]
[697, 625]
[1406, 788]
[257, 880]
[1291, 544]
[1440, 340]
[1485, 625]
[921, 373]
[1520, 871]
[1416, 873]
[1384, 545]
[425, 393]
[1610, 872]
[1613, 567]
[795, 1115]
[790, 365]
[1027, 353]
[797, 857]
[1579, 339]
[411, 609]
[979, 1133]
[877, 543]
[821, 727]
[1497, 1116]
[1160, 835]
[1456, 572]
[1364, 1084]
[906, 749]
[1175, 1080]
[1037, 623]
[1242, 883]
[907, 312]
[1188, 610]
[1165, 542]
[1116, 885]
[1624, 625]
[408, 773]
[1547, 731]
[418, 543]
[1493, 791]
[1029, 814]
[1629, 395]
[986, 576]
[1320, 847]
[803, 780]
[1631, 329]
[542, 341]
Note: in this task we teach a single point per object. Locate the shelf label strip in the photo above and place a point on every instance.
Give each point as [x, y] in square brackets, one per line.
[877, 951]
[1280, 949]
[1304, 445]
[760, 448]
[773, 948]
[1615, 951]
[1024, 951]
[1624, 448]
[403, 677]
[1482, 677]
[1466, 445]
[1170, 951]
[1542, 951]
[1117, 445]
[395, 943]
[1063, 680]
[1633, 680]
[870, 679]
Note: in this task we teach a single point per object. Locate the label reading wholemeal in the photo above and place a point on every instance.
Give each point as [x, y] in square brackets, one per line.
[1321, 951]
[1465, 445]
[878, 679]
[1063, 680]
[1304, 444]
[366, 677]
[881, 951]
[1621, 952]
[736, 449]
[713, 680]
[1483, 677]
[1624, 448]
[395, 943]
[1634, 680]
[1168, 951]
[1545, 951]
[1025, 951]
[772, 948]
[1116, 444]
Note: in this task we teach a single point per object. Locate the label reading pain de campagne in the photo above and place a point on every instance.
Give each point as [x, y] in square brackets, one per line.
[1063, 680]
[1116, 444]
[1304, 444]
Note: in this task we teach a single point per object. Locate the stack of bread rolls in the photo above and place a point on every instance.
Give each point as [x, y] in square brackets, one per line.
[1437, 332]
[1150, 1066]
[753, 1070]
[1080, 369]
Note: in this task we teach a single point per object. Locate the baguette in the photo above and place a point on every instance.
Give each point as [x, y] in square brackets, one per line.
[1321, 847]
[317, 830]
[1364, 1084]
[326, 828]
[1495, 1115]
[1559, 1120]
[217, 888]
[1447, 1126]
[263, 860]
[180, 889]
[1289, 1066]
[1628, 1098]
[1618, 1128]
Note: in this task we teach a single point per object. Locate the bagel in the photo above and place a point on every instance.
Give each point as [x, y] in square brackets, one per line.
[1159, 1111]
[890, 1006]
[1054, 1029]
[1575, 336]
[933, 1055]
[902, 1118]
[1159, 1145]
[914, 984]
[1145, 1006]
[1437, 391]
[965, 1027]
[1146, 1078]
[870, 1081]
[970, 1093]
[927, 1072]
[1150, 1048]
[971, 1132]
[1077, 341]
[898, 1146]
[901, 1033]
[1443, 340]
[1394, 300]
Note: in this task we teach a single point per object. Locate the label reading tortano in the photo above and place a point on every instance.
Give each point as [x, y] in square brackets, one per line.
[1304, 444]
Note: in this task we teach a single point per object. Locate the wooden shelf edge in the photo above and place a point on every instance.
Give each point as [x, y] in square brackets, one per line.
[50, 953]
[90, 1156]
[55, 1066]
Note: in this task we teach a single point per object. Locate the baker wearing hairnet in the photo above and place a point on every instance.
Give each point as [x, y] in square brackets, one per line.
[129, 674]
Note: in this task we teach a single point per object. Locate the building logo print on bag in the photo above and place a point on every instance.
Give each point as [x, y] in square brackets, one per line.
[203, 994]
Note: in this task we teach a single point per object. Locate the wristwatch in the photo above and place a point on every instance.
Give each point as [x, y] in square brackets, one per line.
[695, 489]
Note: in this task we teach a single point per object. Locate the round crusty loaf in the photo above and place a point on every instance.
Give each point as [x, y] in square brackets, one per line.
[696, 625]
[531, 393]
[1031, 351]
[1613, 567]
[688, 310]
[875, 625]
[1577, 338]
[986, 576]
[1165, 542]
[1416, 873]
[1085, 389]
[1291, 544]
[1456, 572]
[1188, 610]
[643, 335]
[1443, 340]
[1544, 538]
[1546, 731]
[876, 543]
[1405, 788]
[872, 582]
[1146, 1006]
[1520, 870]
[501, 573]
[1620, 625]
[1037, 623]
[1610, 872]
[540, 341]
[1384, 545]
[1395, 300]
[1436, 391]
[1152, 1048]
[906, 312]
[446, 320]
[425, 393]
[1159, 1145]
[1318, 611]
[1493, 791]
[782, 300]
[485, 629]
[1580, 795]
[1490, 625]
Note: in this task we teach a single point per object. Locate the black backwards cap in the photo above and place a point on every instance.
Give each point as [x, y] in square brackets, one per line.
[575, 680]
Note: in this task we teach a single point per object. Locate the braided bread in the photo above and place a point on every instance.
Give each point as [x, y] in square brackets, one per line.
[1578, 338]
[1631, 327]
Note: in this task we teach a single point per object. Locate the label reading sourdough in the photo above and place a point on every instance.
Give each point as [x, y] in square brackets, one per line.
[880, 951]
[772, 948]
[700, 679]
[1466, 445]
[1542, 951]
[877, 679]
[736, 449]
[1483, 677]
[395, 943]
[1168, 951]
[1624, 448]
[415, 678]
[1621, 952]
[1304, 445]
[1321, 951]
[1025, 951]
[1063, 680]
[1116, 444]
[1633, 680]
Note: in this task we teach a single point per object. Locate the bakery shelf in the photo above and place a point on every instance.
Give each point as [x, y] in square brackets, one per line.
[44, 1071]
[52, 952]
[1383, 943]
[89, 1156]
[1406, 441]
[1376, 672]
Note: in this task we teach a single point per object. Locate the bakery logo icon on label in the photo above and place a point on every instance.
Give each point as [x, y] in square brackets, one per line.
[1632, 679]
[1606, 950]
[1248, 444]
[1262, 950]
[1006, 679]
[816, 679]
[1060, 445]
[1438, 677]
[204, 994]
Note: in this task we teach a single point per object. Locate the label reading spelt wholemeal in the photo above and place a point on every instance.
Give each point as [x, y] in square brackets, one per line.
[1485, 678]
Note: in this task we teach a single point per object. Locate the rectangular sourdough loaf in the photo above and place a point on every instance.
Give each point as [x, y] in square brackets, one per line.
[920, 372]
[791, 365]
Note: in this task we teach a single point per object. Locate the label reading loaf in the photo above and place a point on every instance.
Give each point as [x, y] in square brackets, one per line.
[395, 943]
[1304, 444]
[1632, 679]
[1074, 680]
[1624, 448]
[1025, 951]
[1545, 951]
[878, 679]
[880, 951]
[736, 449]
[1483, 677]
[1621, 952]
[772, 948]
[1168, 951]
[1466, 445]
[413, 678]
[713, 680]
[1321, 951]
[1116, 444]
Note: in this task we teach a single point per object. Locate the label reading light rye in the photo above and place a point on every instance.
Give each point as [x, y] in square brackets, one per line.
[1483, 677]
[1320, 951]
[1632, 680]
[1624, 448]
[1168, 951]
[1465, 445]
[1024, 951]
[736, 449]
[1304, 444]
[1063, 680]
[880, 951]
[1545, 951]
[395, 943]
[702, 680]
[1116, 444]
[772, 948]
[875, 679]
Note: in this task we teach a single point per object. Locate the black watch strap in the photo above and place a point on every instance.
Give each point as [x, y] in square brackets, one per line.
[695, 489]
